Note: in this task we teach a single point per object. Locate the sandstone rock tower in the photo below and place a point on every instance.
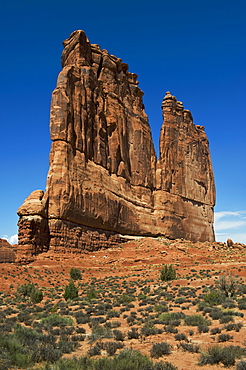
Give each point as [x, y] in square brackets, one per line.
[104, 179]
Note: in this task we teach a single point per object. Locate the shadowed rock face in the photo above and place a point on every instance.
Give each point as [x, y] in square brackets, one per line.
[104, 179]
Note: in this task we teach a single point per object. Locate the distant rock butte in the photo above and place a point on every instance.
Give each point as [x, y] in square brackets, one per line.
[104, 179]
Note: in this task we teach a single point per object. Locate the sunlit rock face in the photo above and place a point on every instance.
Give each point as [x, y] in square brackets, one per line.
[104, 179]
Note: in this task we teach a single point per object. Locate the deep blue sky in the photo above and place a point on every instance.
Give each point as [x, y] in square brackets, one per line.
[195, 49]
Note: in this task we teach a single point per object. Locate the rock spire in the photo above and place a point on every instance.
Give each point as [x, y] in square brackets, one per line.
[104, 179]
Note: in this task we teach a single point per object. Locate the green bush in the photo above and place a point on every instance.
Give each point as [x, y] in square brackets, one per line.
[189, 347]
[94, 351]
[234, 326]
[168, 273]
[71, 291]
[214, 297]
[75, 274]
[91, 294]
[99, 332]
[225, 355]
[203, 328]
[181, 336]
[149, 329]
[171, 318]
[241, 365]
[160, 349]
[214, 331]
[196, 320]
[133, 333]
[111, 347]
[56, 320]
[118, 335]
[224, 337]
[30, 291]
[228, 284]
[36, 296]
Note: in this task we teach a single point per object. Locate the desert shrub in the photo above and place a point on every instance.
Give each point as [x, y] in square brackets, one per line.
[168, 273]
[67, 330]
[180, 336]
[94, 351]
[75, 274]
[127, 359]
[225, 355]
[228, 303]
[26, 346]
[180, 300]
[25, 289]
[99, 332]
[214, 331]
[36, 296]
[241, 365]
[170, 329]
[148, 329]
[111, 347]
[66, 346]
[234, 326]
[13, 353]
[189, 347]
[203, 328]
[131, 320]
[81, 317]
[214, 297]
[113, 324]
[160, 349]
[224, 337]
[96, 321]
[133, 333]
[164, 366]
[78, 338]
[56, 320]
[80, 330]
[228, 284]
[126, 298]
[241, 305]
[91, 294]
[216, 313]
[71, 291]
[31, 292]
[160, 308]
[113, 313]
[195, 320]
[26, 336]
[171, 318]
[118, 335]
[46, 352]
[212, 356]
[225, 319]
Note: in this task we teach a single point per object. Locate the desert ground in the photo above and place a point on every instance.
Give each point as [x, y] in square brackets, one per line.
[123, 300]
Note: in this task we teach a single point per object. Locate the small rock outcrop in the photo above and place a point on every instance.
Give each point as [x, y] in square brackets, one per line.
[7, 251]
[104, 179]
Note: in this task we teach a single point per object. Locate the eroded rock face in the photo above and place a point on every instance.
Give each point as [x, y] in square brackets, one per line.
[104, 179]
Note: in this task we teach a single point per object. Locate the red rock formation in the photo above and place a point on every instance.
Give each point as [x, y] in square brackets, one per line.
[7, 251]
[104, 179]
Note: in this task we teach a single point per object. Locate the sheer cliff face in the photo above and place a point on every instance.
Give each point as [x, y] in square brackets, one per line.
[104, 179]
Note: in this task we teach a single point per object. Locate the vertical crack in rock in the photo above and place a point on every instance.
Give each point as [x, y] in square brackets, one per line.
[104, 179]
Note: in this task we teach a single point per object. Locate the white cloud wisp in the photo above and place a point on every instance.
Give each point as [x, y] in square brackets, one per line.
[230, 225]
[11, 239]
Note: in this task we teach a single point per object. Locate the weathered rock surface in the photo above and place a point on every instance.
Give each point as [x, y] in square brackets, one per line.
[104, 179]
[7, 251]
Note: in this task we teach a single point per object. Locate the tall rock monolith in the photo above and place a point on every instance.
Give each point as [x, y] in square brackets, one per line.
[104, 180]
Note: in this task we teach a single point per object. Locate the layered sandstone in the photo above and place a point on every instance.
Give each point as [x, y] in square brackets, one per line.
[104, 179]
